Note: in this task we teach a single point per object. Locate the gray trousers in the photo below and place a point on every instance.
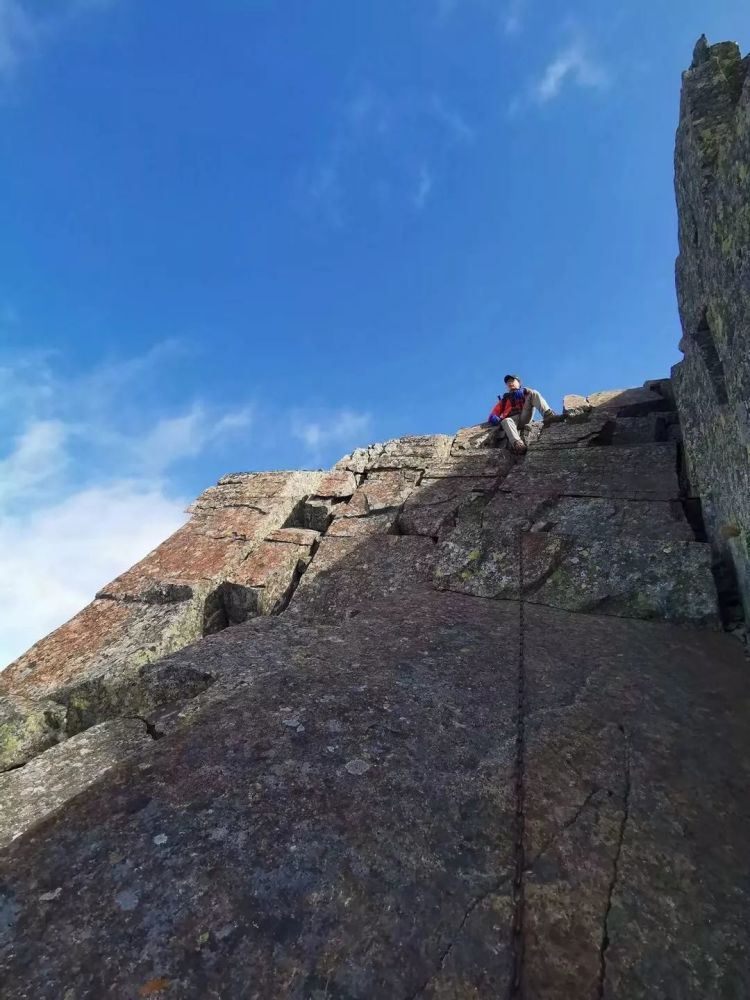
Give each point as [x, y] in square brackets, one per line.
[534, 401]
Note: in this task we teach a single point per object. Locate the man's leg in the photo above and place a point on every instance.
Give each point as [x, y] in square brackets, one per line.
[511, 432]
[524, 417]
[536, 400]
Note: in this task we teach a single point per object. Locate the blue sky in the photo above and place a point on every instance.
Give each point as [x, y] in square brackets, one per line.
[257, 233]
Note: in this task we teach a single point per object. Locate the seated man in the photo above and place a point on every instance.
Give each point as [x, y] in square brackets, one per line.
[515, 409]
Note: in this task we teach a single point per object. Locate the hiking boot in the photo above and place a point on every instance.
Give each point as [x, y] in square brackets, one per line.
[519, 448]
[550, 417]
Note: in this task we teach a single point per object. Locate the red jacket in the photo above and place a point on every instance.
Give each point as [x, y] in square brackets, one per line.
[507, 406]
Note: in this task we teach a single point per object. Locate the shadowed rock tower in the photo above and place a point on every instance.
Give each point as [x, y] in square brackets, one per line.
[439, 723]
[712, 383]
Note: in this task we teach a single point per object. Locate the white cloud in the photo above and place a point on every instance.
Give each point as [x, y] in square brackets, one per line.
[573, 65]
[54, 557]
[424, 188]
[342, 429]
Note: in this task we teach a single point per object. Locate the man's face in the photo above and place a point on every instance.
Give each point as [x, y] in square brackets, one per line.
[512, 384]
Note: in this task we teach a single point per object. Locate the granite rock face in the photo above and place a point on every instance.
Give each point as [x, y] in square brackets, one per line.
[712, 383]
[440, 721]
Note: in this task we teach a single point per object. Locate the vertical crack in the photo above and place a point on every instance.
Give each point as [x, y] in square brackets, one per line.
[519, 887]
[496, 887]
[605, 941]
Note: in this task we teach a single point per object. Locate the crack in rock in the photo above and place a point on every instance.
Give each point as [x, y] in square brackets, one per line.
[605, 941]
[477, 901]
[566, 826]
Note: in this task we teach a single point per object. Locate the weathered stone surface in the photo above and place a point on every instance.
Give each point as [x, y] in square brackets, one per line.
[259, 584]
[243, 523]
[101, 681]
[28, 728]
[646, 429]
[629, 402]
[585, 517]
[410, 452]
[626, 740]
[359, 460]
[344, 819]
[415, 451]
[130, 634]
[348, 573]
[450, 488]
[478, 436]
[648, 472]
[619, 402]
[39, 789]
[712, 383]
[576, 408]
[380, 491]
[338, 484]
[185, 878]
[592, 518]
[492, 462]
[625, 577]
[295, 536]
[295, 483]
[315, 514]
[360, 527]
[601, 428]
[432, 508]
[577, 433]
[187, 557]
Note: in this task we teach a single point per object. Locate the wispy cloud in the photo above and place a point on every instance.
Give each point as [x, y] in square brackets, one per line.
[573, 65]
[507, 15]
[173, 439]
[25, 26]
[18, 35]
[512, 16]
[342, 429]
[375, 139]
[423, 189]
[455, 125]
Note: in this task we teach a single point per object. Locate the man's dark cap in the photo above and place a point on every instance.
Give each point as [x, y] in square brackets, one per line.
[509, 377]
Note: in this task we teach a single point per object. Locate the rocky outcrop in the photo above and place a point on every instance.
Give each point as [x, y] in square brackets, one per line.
[712, 383]
[454, 724]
